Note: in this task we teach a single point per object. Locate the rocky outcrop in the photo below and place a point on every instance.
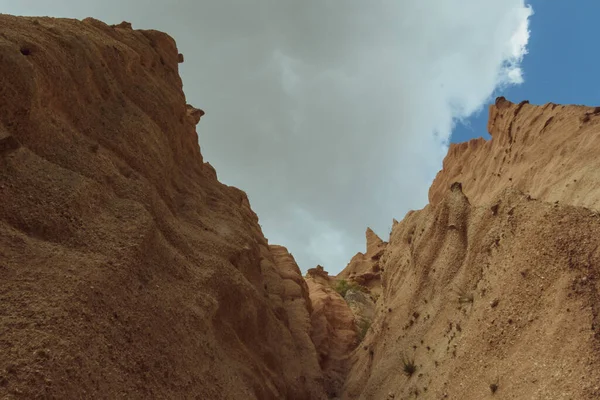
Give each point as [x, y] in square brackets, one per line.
[319, 274]
[364, 269]
[334, 331]
[289, 293]
[363, 308]
[549, 152]
[127, 269]
[493, 287]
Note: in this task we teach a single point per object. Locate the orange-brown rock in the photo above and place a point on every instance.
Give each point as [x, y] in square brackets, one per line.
[334, 332]
[127, 269]
[489, 290]
[319, 273]
[289, 294]
[549, 152]
[364, 268]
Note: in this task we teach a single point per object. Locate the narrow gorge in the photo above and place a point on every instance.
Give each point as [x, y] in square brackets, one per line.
[127, 270]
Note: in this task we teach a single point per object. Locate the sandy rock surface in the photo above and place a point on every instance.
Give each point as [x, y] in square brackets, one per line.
[334, 331]
[549, 152]
[127, 269]
[492, 290]
[364, 269]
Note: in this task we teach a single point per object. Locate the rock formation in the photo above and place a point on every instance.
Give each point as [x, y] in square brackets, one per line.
[362, 306]
[493, 287]
[549, 152]
[334, 333]
[364, 269]
[127, 269]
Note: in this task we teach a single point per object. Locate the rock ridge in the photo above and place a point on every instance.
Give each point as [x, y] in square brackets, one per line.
[492, 288]
[128, 269]
[531, 150]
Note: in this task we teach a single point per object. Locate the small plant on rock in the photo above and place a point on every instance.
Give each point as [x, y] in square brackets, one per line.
[494, 386]
[342, 286]
[408, 366]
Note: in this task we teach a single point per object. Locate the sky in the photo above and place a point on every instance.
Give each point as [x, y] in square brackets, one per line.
[560, 67]
[335, 115]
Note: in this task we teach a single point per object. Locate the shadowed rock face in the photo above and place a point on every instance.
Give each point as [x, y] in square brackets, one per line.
[334, 331]
[487, 286]
[127, 269]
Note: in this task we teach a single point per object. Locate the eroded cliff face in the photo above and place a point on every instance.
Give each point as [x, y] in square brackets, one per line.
[334, 332]
[364, 268]
[127, 269]
[492, 289]
[549, 152]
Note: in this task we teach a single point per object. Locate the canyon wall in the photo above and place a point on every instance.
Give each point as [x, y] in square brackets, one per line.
[127, 269]
[493, 288]
[549, 152]
[334, 333]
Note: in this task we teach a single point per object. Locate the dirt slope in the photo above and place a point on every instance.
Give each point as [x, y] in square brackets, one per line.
[127, 269]
[492, 292]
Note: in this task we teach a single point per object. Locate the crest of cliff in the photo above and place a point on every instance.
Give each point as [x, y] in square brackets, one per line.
[549, 152]
[492, 290]
[127, 269]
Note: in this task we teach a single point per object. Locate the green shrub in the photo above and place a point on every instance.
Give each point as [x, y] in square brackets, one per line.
[342, 286]
[493, 387]
[408, 366]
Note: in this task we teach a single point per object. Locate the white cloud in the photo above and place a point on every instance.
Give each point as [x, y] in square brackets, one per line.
[339, 108]
[518, 47]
